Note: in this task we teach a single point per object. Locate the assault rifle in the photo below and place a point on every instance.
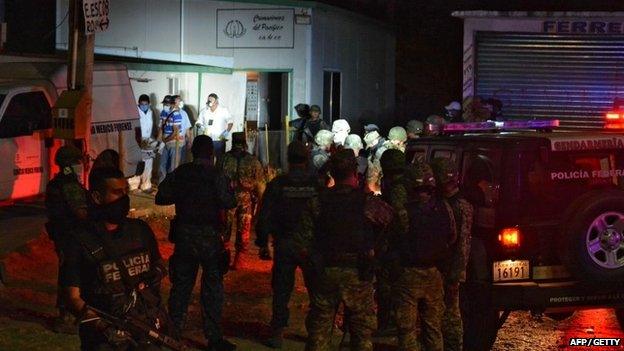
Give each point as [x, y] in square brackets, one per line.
[140, 329]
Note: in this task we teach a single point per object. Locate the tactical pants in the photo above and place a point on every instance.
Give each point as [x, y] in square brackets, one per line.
[452, 328]
[419, 290]
[285, 263]
[169, 159]
[188, 255]
[385, 311]
[239, 220]
[336, 286]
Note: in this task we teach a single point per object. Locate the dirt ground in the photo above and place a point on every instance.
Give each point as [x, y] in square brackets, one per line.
[27, 308]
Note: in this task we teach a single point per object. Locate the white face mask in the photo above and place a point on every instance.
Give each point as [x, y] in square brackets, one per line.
[181, 104]
[166, 108]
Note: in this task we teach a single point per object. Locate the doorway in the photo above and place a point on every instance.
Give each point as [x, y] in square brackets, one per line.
[332, 95]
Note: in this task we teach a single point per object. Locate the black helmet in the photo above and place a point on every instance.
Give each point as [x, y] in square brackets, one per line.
[67, 155]
[202, 147]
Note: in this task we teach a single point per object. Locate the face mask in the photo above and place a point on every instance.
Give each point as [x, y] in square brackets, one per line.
[210, 104]
[144, 108]
[166, 108]
[181, 104]
[114, 212]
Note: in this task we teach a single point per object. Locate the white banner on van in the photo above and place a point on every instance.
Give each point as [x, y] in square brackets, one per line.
[255, 28]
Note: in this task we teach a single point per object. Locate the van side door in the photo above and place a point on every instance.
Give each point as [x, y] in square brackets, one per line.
[25, 114]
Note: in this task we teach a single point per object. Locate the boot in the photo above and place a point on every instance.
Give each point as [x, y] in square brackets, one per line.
[237, 263]
[221, 345]
[65, 323]
[276, 340]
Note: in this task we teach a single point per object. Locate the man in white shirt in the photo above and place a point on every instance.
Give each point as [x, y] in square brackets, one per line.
[216, 123]
[148, 143]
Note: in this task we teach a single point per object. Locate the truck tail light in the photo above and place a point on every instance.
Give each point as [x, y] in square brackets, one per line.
[614, 120]
[509, 238]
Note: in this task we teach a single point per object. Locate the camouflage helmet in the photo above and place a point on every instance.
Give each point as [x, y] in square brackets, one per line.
[414, 126]
[324, 138]
[353, 142]
[419, 174]
[67, 155]
[444, 170]
[397, 134]
[434, 124]
[392, 160]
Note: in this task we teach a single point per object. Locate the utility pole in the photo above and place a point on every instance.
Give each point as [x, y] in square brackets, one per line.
[80, 70]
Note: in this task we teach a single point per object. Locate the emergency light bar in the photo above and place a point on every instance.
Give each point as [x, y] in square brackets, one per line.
[499, 126]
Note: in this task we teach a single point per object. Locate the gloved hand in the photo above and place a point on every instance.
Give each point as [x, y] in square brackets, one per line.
[264, 254]
[115, 336]
[225, 135]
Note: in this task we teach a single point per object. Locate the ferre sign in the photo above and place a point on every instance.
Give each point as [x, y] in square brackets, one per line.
[95, 15]
[582, 27]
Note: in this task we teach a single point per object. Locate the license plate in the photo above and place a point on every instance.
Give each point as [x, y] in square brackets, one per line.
[510, 270]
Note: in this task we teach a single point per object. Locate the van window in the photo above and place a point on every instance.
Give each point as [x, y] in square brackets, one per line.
[413, 155]
[25, 113]
[448, 154]
[480, 184]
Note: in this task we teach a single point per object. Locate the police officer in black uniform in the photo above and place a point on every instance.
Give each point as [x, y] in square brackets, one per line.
[201, 194]
[113, 264]
[66, 203]
[284, 200]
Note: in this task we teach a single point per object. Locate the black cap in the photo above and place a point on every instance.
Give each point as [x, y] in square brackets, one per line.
[145, 98]
[168, 99]
[239, 138]
[202, 147]
[315, 108]
[298, 153]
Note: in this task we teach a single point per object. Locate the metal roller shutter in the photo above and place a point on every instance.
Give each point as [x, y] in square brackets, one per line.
[570, 77]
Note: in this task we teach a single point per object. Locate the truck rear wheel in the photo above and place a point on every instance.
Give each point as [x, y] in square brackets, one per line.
[480, 319]
[619, 314]
[595, 235]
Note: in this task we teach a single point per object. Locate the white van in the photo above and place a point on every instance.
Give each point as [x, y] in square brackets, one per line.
[28, 90]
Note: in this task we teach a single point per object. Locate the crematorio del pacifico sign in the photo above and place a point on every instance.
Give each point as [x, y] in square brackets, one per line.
[255, 28]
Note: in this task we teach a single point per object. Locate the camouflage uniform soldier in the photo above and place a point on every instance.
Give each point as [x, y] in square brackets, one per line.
[374, 146]
[246, 172]
[454, 269]
[66, 202]
[393, 192]
[337, 237]
[418, 286]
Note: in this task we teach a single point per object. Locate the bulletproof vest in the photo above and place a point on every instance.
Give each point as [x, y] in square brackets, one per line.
[430, 235]
[196, 198]
[296, 190]
[112, 290]
[58, 210]
[342, 224]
